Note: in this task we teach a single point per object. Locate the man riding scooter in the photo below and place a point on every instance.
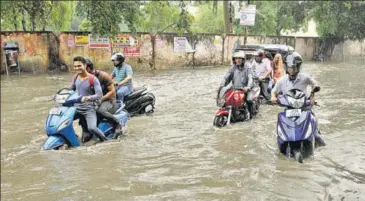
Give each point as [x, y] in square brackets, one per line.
[240, 76]
[108, 105]
[262, 70]
[294, 80]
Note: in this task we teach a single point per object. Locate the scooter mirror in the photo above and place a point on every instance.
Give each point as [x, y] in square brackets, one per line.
[316, 89]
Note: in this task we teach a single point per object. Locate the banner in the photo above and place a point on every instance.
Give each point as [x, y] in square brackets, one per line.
[98, 42]
[180, 44]
[81, 40]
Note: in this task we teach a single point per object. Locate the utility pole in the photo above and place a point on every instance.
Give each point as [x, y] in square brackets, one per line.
[246, 30]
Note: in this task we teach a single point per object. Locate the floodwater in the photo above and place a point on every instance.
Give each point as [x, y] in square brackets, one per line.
[177, 154]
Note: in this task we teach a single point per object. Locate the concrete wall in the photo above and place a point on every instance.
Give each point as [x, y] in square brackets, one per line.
[34, 49]
[42, 51]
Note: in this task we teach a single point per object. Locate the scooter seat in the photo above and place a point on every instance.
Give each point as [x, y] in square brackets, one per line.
[136, 93]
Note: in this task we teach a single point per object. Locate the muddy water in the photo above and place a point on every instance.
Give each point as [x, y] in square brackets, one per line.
[176, 154]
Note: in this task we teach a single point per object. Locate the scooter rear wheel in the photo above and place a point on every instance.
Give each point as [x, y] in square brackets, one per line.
[220, 121]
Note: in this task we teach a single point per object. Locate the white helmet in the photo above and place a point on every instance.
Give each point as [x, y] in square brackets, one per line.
[239, 54]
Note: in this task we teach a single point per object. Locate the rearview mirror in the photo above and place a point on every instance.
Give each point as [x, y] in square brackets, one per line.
[316, 89]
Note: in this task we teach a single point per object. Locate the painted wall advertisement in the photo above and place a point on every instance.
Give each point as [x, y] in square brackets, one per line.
[98, 42]
[81, 40]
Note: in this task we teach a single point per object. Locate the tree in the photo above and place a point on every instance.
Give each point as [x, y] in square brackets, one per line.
[105, 16]
[207, 21]
[39, 15]
[337, 21]
[290, 15]
[160, 16]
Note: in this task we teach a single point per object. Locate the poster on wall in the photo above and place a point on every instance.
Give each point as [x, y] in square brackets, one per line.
[71, 42]
[180, 44]
[121, 40]
[160, 43]
[81, 40]
[98, 42]
[132, 52]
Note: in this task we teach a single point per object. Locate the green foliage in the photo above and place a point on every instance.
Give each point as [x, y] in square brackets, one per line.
[85, 26]
[207, 21]
[340, 19]
[105, 16]
[274, 16]
[38, 15]
[160, 16]
[291, 15]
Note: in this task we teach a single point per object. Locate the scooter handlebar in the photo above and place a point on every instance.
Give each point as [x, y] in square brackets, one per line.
[71, 102]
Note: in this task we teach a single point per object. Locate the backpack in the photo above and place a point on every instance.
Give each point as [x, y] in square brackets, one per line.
[91, 81]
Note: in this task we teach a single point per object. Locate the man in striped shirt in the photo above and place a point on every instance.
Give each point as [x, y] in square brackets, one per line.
[122, 76]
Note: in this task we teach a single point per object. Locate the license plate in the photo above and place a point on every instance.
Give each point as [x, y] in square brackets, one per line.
[293, 113]
[55, 111]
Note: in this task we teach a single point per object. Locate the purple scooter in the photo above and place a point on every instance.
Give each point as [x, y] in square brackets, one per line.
[297, 129]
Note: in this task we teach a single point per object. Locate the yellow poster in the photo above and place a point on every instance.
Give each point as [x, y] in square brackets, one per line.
[81, 40]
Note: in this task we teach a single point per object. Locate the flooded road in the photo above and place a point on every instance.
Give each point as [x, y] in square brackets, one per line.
[176, 154]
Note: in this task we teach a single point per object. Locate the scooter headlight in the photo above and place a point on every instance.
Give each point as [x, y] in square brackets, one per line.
[281, 134]
[308, 132]
[63, 125]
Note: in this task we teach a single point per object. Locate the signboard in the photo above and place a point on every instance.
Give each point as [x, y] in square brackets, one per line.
[247, 17]
[81, 40]
[132, 52]
[180, 44]
[98, 42]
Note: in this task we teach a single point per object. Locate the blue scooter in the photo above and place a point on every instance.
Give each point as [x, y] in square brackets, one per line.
[59, 123]
[297, 128]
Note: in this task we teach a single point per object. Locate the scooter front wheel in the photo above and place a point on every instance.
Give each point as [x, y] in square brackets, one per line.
[220, 121]
[298, 156]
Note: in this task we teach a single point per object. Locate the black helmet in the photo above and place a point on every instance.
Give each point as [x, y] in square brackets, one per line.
[293, 59]
[260, 53]
[118, 57]
[89, 64]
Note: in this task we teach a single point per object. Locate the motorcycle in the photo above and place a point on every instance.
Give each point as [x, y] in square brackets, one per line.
[233, 107]
[297, 128]
[59, 123]
[140, 101]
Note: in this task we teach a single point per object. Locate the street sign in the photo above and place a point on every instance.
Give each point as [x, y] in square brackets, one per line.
[248, 14]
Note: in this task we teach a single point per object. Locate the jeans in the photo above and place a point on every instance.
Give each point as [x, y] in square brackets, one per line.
[123, 91]
[106, 110]
[88, 122]
[264, 85]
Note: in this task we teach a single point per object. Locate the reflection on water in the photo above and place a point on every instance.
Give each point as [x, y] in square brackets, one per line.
[177, 154]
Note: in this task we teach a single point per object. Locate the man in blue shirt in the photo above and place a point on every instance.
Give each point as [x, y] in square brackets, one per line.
[122, 76]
